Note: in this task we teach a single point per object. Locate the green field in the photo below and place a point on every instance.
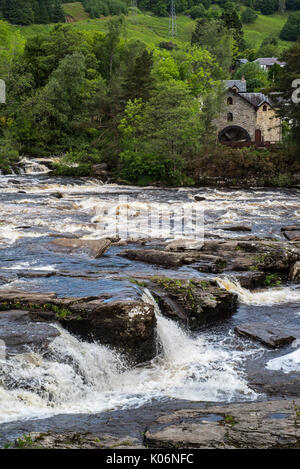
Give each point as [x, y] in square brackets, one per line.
[265, 26]
[153, 30]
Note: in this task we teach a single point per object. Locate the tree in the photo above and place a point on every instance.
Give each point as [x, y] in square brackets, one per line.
[159, 136]
[291, 29]
[218, 40]
[255, 76]
[232, 22]
[139, 82]
[288, 99]
[249, 16]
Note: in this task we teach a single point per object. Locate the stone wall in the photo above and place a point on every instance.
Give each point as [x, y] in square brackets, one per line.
[269, 124]
[244, 115]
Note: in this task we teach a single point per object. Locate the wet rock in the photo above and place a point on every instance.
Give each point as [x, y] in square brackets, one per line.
[267, 334]
[194, 303]
[295, 272]
[129, 326]
[199, 198]
[291, 228]
[153, 256]
[237, 228]
[95, 248]
[57, 195]
[20, 334]
[184, 245]
[259, 425]
[292, 235]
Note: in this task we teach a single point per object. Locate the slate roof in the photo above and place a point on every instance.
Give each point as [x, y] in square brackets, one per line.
[269, 61]
[240, 84]
[256, 99]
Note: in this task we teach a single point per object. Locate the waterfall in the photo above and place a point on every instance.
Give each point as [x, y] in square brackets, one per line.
[76, 376]
[268, 297]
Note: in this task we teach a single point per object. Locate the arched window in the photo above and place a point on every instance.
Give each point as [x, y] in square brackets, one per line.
[265, 108]
[229, 101]
[229, 117]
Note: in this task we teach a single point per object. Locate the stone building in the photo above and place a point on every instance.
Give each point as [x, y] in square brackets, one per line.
[247, 117]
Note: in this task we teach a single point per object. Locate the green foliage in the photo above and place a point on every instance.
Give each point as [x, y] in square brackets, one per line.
[158, 136]
[291, 30]
[97, 8]
[249, 16]
[256, 77]
[27, 12]
[9, 155]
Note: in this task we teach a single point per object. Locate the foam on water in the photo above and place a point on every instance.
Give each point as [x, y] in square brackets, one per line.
[76, 376]
[266, 297]
[286, 363]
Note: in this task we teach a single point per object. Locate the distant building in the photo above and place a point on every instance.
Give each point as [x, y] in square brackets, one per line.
[267, 62]
[248, 118]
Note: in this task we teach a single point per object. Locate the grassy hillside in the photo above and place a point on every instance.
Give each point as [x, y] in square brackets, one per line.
[75, 11]
[152, 30]
[265, 26]
[149, 29]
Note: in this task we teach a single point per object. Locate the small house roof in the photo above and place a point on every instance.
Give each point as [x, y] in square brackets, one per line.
[240, 84]
[269, 61]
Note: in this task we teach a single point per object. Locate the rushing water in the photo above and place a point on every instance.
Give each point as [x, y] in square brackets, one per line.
[75, 376]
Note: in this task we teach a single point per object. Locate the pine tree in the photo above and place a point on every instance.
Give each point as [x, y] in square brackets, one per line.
[139, 82]
[58, 15]
[21, 12]
[232, 21]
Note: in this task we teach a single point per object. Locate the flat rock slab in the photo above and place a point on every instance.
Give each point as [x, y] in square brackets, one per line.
[20, 334]
[258, 425]
[292, 235]
[95, 248]
[272, 336]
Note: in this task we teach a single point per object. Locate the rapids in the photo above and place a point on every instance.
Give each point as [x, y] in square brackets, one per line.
[77, 377]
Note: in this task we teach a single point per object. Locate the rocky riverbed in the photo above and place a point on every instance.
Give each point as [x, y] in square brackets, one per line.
[178, 341]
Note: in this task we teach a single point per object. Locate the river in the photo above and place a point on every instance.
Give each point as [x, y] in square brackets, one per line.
[76, 377]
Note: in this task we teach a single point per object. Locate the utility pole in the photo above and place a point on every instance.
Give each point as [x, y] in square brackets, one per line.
[173, 19]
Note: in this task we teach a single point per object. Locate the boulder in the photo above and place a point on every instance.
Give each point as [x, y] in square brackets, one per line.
[256, 425]
[93, 247]
[295, 272]
[267, 334]
[199, 198]
[153, 256]
[194, 303]
[128, 326]
[20, 334]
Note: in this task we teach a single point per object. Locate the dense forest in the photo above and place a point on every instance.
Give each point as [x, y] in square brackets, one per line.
[146, 112]
[32, 11]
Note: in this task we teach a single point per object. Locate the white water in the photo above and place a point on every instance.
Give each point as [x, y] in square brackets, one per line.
[83, 377]
[286, 363]
[268, 297]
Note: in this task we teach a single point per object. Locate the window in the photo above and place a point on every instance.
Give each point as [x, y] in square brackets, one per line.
[265, 108]
[229, 101]
[229, 117]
